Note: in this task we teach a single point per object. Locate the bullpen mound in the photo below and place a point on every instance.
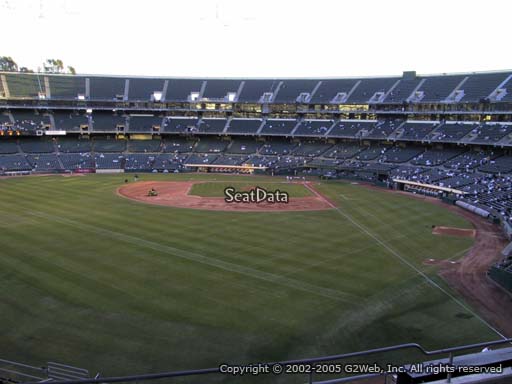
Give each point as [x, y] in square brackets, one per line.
[458, 232]
[176, 194]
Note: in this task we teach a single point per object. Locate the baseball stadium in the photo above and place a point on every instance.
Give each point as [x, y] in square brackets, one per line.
[230, 230]
[120, 253]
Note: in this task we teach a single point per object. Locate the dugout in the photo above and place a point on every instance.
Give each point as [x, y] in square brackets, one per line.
[220, 168]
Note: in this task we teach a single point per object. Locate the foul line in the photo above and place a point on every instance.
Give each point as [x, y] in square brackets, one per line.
[404, 261]
[196, 257]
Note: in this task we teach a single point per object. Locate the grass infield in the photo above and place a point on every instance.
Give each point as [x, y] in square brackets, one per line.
[216, 189]
[97, 281]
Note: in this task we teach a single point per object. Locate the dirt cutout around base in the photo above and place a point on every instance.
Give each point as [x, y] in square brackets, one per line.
[450, 231]
[176, 194]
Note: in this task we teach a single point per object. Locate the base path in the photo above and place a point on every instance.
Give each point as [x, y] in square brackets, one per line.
[176, 194]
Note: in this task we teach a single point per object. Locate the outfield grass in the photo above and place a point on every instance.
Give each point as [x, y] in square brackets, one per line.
[95, 280]
[216, 189]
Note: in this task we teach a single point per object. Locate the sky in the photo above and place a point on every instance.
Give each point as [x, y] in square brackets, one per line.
[262, 38]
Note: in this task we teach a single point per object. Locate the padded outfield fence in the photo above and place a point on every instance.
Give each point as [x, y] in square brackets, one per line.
[63, 374]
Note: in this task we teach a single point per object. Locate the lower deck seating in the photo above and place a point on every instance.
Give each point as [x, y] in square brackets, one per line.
[177, 145]
[36, 146]
[485, 175]
[109, 161]
[44, 162]
[74, 145]
[109, 145]
[76, 161]
[210, 145]
[470, 160]
[343, 151]
[435, 157]
[139, 162]
[144, 146]
[168, 162]
[241, 146]
[501, 164]
[9, 163]
[370, 153]
[311, 149]
[7, 147]
[401, 155]
[201, 158]
[230, 160]
[277, 148]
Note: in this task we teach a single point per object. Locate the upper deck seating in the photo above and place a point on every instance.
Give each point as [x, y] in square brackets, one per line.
[383, 129]
[350, 128]
[144, 124]
[212, 125]
[416, 131]
[180, 125]
[244, 126]
[107, 122]
[70, 121]
[278, 127]
[313, 127]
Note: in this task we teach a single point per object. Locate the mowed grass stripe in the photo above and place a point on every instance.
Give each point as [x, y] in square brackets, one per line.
[403, 260]
[313, 240]
[421, 216]
[114, 223]
[317, 278]
[216, 188]
[183, 314]
[249, 272]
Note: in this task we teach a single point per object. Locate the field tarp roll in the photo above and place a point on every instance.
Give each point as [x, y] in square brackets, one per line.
[110, 171]
[472, 208]
[507, 251]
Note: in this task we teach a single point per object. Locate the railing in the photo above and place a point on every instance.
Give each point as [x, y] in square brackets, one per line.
[22, 371]
[277, 367]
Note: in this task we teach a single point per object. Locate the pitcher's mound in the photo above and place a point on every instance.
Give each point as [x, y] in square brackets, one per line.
[175, 194]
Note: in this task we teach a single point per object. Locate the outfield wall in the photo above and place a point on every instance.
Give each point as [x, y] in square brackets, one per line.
[502, 277]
